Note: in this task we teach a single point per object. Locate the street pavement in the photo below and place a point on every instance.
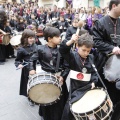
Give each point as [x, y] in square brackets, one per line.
[12, 105]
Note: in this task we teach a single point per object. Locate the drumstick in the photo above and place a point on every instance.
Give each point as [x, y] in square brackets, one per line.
[80, 24]
[109, 54]
[23, 66]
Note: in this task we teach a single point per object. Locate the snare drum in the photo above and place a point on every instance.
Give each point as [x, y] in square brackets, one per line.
[94, 105]
[44, 89]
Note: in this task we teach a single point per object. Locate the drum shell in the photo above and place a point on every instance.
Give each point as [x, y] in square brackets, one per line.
[6, 39]
[1, 38]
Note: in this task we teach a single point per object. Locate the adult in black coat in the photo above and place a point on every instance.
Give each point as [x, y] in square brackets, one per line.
[106, 32]
[3, 20]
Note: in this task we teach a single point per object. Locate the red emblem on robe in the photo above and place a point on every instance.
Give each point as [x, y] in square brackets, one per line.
[80, 76]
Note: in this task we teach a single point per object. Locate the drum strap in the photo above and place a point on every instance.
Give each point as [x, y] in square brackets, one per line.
[58, 62]
[94, 68]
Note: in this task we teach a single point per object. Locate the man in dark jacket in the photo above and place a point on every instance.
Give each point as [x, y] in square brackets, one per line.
[106, 32]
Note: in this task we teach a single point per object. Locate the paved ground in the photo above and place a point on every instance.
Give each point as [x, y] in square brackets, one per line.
[12, 105]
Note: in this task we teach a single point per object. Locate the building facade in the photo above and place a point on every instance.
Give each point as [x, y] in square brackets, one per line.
[64, 3]
[89, 3]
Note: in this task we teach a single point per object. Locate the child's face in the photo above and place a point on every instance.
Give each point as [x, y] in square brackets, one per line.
[84, 51]
[31, 40]
[75, 23]
[76, 16]
[55, 40]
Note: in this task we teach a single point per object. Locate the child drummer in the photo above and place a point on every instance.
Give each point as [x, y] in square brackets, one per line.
[47, 56]
[24, 52]
[82, 75]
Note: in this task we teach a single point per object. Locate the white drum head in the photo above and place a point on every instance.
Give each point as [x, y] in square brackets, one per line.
[44, 93]
[90, 101]
[15, 40]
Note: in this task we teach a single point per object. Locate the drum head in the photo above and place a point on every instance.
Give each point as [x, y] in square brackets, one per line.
[90, 101]
[111, 68]
[44, 93]
[15, 40]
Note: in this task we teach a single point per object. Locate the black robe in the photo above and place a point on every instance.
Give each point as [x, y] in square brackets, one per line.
[45, 55]
[62, 26]
[68, 16]
[23, 55]
[2, 48]
[42, 18]
[103, 32]
[9, 48]
[72, 30]
[20, 27]
[77, 88]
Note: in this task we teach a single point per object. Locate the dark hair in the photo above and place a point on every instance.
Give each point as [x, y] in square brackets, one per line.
[51, 32]
[86, 39]
[25, 35]
[75, 19]
[48, 25]
[116, 2]
[20, 18]
[3, 16]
